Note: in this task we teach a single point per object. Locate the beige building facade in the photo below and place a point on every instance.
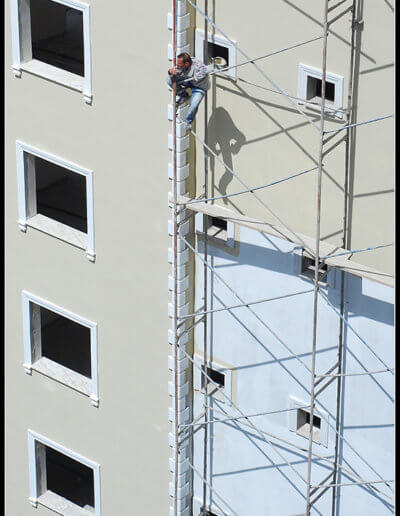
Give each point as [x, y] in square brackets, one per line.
[94, 355]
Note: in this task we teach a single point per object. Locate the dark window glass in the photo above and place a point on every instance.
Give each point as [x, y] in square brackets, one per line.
[216, 376]
[314, 89]
[65, 342]
[61, 194]
[69, 478]
[304, 417]
[57, 35]
[218, 223]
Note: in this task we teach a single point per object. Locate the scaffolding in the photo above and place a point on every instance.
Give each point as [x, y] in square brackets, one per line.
[334, 257]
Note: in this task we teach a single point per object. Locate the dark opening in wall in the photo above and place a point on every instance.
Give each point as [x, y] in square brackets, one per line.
[216, 51]
[61, 194]
[57, 35]
[69, 478]
[216, 376]
[303, 417]
[218, 223]
[66, 342]
[308, 269]
[314, 89]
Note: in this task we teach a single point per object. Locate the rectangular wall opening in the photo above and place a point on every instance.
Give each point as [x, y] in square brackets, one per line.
[62, 480]
[60, 194]
[217, 227]
[308, 269]
[65, 341]
[303, 425]
[57, 35]
[216, 376]
[314, 89]
[217, 54]
[69, 478]
[60, 345]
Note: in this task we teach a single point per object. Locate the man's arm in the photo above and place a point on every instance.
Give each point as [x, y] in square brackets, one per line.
[201, 70]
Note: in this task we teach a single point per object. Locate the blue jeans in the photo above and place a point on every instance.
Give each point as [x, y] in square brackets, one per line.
[195, 98]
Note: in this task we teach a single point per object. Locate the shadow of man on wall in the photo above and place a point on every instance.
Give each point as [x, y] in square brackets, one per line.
[225, 139]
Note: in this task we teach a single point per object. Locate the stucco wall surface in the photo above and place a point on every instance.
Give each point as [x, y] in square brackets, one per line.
[122, 137]
[267, 359]
[263, 137]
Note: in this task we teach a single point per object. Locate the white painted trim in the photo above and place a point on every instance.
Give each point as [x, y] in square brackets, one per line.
[34, 437]
[15, 38]
[27, 298]
[23, 220]
[45, 70]
[309, 71]
[219, 40]
[292, 423]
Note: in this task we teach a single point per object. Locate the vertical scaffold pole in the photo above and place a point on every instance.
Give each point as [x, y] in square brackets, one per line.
[175, 251]
[345, 244]
[317, 255]
[205, 276]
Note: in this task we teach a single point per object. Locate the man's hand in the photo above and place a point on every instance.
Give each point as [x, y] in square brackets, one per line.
[173, 71]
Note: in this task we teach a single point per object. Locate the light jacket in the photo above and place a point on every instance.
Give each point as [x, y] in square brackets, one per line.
[197, 74]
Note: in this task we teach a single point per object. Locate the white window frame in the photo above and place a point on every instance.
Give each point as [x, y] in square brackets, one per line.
[295, 403]
[41, 222]
[54, 370]
[197, 377]
[219, 40]
[22, 50]
[331, 108]
[200, 219]
[54, 501]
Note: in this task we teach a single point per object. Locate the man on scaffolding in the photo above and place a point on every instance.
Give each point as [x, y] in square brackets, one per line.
[189, 73]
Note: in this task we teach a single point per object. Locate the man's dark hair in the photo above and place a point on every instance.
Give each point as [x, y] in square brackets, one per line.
[186, 58]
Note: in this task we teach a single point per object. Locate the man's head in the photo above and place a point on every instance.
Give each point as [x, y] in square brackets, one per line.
[184, 61]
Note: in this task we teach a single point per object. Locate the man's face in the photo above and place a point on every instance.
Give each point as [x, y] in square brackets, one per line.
[180, 64]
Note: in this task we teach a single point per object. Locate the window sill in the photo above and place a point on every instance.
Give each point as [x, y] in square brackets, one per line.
[61, 505]
[56, 75]
[62, 374]
[58, 230]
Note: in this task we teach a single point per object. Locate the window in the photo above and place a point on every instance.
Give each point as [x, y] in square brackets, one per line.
[216, 376]
[221, 51]
[51, 39]
[60, 345]
[218, 229]
[299, 422]
[217, 55]
[308, 269]
[62, 480]
[314, 89]
[310, 89]
[220, 375]
[303, 424]
[55, 197]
